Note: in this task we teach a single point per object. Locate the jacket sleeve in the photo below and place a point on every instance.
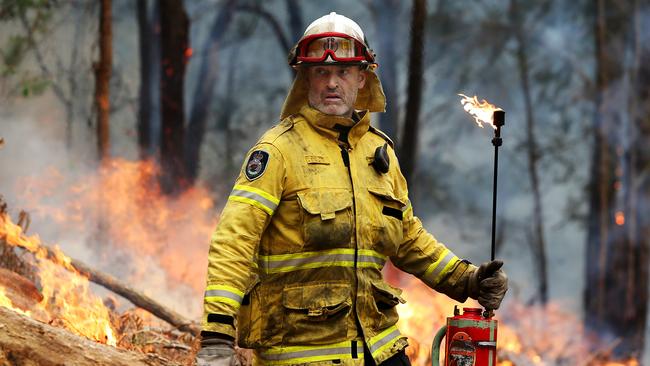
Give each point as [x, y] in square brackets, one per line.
[234, 244]
[426, 258]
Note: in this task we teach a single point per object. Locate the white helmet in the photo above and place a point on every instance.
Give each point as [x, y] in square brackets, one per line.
[332, 38]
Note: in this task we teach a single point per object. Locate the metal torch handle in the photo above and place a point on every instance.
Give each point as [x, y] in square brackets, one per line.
[498, 119]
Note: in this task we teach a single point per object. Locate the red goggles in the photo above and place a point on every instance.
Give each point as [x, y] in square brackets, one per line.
[338, 46]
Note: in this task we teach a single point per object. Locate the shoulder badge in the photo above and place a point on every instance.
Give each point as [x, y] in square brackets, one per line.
[256, 164]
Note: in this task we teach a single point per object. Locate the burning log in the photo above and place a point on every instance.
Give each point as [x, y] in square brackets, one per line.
[113, 284]
[103, 279]
[21, 291]
[24, 341]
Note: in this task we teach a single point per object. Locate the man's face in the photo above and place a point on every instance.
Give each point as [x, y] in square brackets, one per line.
[333, 89]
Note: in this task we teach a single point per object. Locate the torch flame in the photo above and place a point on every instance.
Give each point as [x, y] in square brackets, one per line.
[481, 111]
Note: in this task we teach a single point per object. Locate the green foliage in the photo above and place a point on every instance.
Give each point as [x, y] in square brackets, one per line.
[12, 54]
[11, 9]
[33, 86]
[34, 17]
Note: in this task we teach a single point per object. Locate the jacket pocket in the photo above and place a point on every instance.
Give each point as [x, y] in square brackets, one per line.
[326, 218]
[249, 318]
[386, 299]
[316, 313]
[388, 220]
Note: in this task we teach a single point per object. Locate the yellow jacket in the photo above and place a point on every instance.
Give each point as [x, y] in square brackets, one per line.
[297, 256]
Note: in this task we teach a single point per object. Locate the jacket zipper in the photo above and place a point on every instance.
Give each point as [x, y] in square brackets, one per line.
[345, 155]
[346, 161]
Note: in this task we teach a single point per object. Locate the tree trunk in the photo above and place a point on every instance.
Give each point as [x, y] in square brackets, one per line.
[174, 56]
[538, 243]
[145, 35]
[387, 21]
[204, 92]
[155, 67]
[102, 79]
[616, 293]
[225, 122]
[408, 144]
[637, 205]
[295, 20]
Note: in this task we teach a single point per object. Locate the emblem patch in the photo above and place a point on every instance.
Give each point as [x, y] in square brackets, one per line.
[256, 164]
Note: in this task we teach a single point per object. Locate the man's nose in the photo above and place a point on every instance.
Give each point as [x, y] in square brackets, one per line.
[332, 82]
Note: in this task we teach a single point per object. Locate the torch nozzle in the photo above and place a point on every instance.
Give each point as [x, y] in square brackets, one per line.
[498, 118]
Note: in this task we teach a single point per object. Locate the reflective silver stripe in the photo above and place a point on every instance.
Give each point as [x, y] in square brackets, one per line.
[336, 257]
[224, 293]
[325, 259]
[371, 259]
[256, 197]
[308, 353]
[433, 276]
[375, 347]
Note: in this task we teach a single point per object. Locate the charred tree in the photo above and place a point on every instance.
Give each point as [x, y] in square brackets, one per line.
[409, 142]
[103, 77]
[146, 35]
[638, 202]
[174, 55]
[204, 92]
[385, 12]
[532, 149]
[616, 294]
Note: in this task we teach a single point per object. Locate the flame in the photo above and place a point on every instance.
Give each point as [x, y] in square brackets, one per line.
[157, 242]
[66, 296]
[527, 335]
[620, 218]
[7, 303]
[155, 234]
[481, 111]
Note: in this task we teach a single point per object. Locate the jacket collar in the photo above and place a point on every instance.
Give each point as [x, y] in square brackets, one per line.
[330, 126]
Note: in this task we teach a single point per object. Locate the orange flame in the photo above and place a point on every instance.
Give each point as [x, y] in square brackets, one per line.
[620, 218]
[162, 241]
[481, 111]
[527, 335]
[66, 295]
[7, 303]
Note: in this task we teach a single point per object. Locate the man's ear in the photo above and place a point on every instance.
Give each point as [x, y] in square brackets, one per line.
[362, 79]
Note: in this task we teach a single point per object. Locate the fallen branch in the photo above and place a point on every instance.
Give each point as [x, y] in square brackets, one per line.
[113, 284]
[137, 298]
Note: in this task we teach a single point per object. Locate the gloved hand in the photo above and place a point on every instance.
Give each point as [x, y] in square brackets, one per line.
[217, 351]
[488, 284]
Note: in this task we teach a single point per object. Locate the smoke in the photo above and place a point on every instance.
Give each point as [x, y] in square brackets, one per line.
[115, 218]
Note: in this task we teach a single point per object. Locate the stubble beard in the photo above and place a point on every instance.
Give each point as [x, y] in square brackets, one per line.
[342, 108]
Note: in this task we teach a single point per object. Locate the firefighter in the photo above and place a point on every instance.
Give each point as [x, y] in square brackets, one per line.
[318, 209]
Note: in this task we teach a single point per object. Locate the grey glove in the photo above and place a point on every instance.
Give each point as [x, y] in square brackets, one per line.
[217, 352]
[488, 284]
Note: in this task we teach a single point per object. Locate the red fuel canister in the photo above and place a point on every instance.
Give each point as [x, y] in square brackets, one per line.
[471, 339]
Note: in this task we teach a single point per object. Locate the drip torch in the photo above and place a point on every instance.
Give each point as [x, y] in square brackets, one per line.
[471, 336]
